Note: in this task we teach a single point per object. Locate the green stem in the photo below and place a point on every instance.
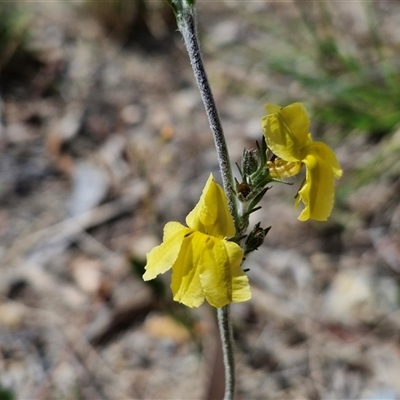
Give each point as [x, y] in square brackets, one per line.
[225, 330]
[187, 26]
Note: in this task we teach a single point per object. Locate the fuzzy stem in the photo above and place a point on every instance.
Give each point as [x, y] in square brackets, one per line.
[225, 330]
[187, 26]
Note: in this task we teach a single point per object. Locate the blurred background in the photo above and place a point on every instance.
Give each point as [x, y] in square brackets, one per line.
[104, 139]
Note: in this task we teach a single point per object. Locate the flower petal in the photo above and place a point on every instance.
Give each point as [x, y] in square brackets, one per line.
[162, 258]
[221, 276]
[185, 282]
[211, 214]
[286, 131]
[272, 108]
[327, 154]
[317, 191]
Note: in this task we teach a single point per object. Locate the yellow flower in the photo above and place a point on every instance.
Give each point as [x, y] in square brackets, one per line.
[287, 136]
[205, 266]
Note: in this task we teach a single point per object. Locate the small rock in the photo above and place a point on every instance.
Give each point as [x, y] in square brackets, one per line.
[11, 314]
[90, 185]
[132, 114]
[383, 393]
[69, 124]
[164, 327]
[351, 297]
[87, 274]
[225, 33]
[17, 132]
[185, 101]
[143, 244]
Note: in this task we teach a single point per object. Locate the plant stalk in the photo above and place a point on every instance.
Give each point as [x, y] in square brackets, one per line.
[187, 26]
[225, 329]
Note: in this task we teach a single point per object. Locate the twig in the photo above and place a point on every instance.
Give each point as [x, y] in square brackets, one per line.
[69, 228]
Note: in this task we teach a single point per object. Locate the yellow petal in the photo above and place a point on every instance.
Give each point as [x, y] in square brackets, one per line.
[162, 258]
[221, 276]
[327, 154]
[209, 268]
[317, 191]
[286, 131]
[272, 108]
[185, 282]
[211, 214]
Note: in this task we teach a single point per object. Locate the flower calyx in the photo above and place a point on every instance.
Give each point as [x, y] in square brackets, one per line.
[254, 175]
[255, 239]
[182, 7]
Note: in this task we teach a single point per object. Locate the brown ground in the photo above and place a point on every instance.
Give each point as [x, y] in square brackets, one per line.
[103, 140]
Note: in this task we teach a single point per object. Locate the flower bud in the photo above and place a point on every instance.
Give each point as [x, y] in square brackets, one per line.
[255, 238]
[250, 162]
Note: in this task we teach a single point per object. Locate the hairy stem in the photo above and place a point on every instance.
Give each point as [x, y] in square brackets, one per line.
[187, 26]
[225, 330]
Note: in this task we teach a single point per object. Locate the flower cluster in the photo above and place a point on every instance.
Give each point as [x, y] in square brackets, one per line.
[205, 256]
[286, 132]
